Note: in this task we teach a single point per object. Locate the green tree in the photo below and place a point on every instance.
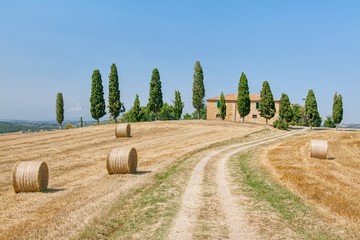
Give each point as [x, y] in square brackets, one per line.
[267, 105]
[81, 122]
[222, 106]
[136, 110]
[285, 110]
[155, 95]
[178, 105]
[299, 116]
[59, 109]
[311, 110]
[243, 97]
[337, 113]
[198, 88]
[166, 112]
[329, 122]
[115, 105]
[203, 113]
[97, 102]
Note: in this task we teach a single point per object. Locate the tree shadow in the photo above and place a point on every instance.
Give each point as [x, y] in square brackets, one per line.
[330, 158]
[140, 172]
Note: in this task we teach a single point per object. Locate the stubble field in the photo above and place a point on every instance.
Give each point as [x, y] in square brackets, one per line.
[175, 158]
[79, 185]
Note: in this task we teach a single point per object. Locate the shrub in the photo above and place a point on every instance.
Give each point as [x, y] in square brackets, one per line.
[187, 116]
[281, 124]
[69, 126]
[329, 122]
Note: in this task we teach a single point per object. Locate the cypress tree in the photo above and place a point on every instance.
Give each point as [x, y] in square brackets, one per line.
[311, 110]
[136, 111]
[59, 109]
[155, 94]
[243, 97]
[198, 88]
[115, 105]
[222, 106]
[285, 111]
[81, 122]
[178, 105]
[337, 113]
[267, 105]
[97, 102]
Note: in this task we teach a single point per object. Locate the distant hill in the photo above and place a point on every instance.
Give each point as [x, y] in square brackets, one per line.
[350, 126]
[17, 126]
[9, 126]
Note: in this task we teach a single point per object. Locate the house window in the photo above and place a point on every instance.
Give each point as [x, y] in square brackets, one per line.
[257, 105]
[218, 104]
[218, 115]
[254, 116]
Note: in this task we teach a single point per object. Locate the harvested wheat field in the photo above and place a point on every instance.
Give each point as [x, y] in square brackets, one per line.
[332, 185]
[79, 187]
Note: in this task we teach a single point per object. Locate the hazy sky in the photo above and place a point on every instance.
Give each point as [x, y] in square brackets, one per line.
[53, 46]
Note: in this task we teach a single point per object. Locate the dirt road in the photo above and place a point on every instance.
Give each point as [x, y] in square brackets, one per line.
[230, 220]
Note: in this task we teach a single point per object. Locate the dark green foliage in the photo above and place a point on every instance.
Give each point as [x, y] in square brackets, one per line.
[97, 102]
[329, 122]
[203, 112]
[267, 105]
[59, 109]
[299, 116]
[115, 105]
[178, 105]
[187, 116]
[337, 113]
[81, 122]
[243, 97]
[155, 94]
[136, 113]
[198, 88]
[281, 124]
[166, 112]
[222, 106]
[311, 110]
[285, 111]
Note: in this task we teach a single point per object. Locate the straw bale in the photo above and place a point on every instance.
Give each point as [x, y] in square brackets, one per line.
[30, 176]
[318, 149]
[122, 160]
[123, 130]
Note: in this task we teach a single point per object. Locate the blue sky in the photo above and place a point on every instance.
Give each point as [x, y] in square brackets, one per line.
[53, 46]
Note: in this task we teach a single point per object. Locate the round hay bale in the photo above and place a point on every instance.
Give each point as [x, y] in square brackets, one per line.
[123, 130]
[122, 160]
[318, 149]
[30, 176]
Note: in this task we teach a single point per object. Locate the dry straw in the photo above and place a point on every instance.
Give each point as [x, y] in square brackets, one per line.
[123, 130]
[30, 176]
[318, 149]
[122, 160]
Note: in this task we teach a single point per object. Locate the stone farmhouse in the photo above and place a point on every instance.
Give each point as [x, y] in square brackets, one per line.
[232, 113]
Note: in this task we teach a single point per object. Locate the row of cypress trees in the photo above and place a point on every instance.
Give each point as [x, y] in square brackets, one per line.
[156, 108]
[97, 101]
[155, 104]
[267, 108]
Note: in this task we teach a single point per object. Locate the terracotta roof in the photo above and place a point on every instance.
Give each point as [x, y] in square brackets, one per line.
[234, 96]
